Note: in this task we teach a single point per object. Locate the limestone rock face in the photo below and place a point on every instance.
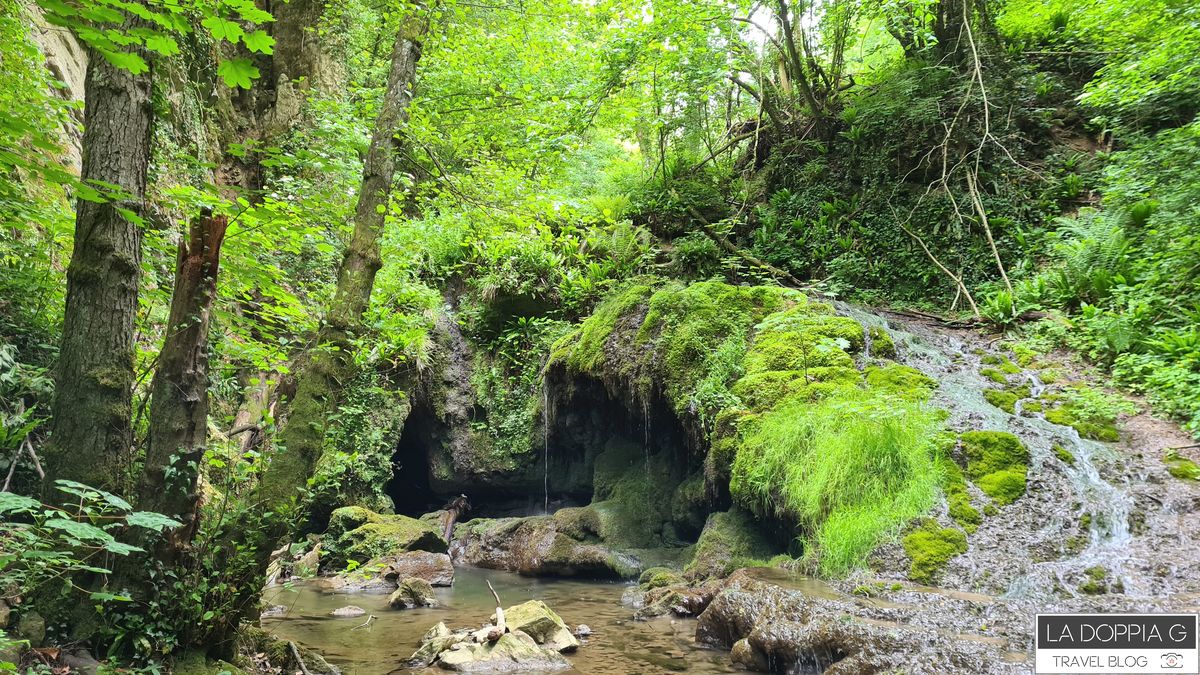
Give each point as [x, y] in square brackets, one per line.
[412, 593]
[513, 652]
[541, 623]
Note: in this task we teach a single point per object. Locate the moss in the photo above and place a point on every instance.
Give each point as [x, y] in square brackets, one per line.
[728, 539]
[1006, 399]
[586, 347]
[994, 375]
[957, 497]
[632, 496]
[1032, 406]
[1096, 582]
[990, 510]
[582, 523]
[930, 548]
[882, 345]
[998, 463]
[689, 507]
[794, 350]
[357, 534]
[1093, 413]
[1002, 362]
[1085, 522]
[1064, 455]
[904, 380]
[762, 391]
[658, 577]
[1181, 467]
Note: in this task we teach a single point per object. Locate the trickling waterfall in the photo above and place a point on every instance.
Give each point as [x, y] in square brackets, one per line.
[545, 446]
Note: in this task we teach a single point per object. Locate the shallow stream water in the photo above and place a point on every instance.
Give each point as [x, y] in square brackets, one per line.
[618, 646]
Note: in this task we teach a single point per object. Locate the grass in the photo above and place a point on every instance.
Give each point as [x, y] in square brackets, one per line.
[850, 471]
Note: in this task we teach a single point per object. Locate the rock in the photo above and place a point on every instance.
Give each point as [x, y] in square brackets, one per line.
[535, 547]
[435, 568]
[362, 535]
[5, 612]
[413, 592]
[32, 627]
[348, 611]
[679, 600]
[540, 622]
[727, 537]
[83, 663]
[583, 630]
[273, 611]
[307, 564]
[437, 640]
[513, 652]
[365, 579]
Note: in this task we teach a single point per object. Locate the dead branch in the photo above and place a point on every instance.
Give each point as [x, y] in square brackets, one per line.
[299, 659]
[501, 628]
[945, 270]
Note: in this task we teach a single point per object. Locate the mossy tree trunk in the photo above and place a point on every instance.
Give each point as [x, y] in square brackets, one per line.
[319, 379]
[91, 433]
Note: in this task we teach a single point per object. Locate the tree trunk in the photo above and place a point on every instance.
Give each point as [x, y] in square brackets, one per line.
[179, 390]
[318, 381]
[91, 434]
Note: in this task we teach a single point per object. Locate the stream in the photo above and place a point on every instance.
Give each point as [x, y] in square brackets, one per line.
[618, 646]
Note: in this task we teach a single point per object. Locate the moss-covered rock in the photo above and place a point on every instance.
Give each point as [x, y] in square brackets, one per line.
[998, 463]
[1181, 467]
[957, 497]
[413, 592]
[882, 345]
[1003, 363]
[930, 548]
[658, 577]
[359, 535]
[1064, 455]
[995, 375]
[542, 624]
[1097, 581]
[730, 540]
[536, 547]
[903, 380]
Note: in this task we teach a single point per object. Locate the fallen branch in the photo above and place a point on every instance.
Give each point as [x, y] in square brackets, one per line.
[501, 628]
[25, 447]
[729, 246]
[366, 623]
[299, 659]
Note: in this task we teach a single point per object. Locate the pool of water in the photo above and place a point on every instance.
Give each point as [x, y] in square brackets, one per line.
[618, 645]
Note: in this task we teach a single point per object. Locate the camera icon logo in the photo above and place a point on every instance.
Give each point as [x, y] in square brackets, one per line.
[1172, 660]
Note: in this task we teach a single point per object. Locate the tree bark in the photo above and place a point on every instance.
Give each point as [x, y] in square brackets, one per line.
[91, 432]
[179, 390]
[320, 379]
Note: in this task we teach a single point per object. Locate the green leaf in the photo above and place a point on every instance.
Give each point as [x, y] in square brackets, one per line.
[125, 61]
[78, 530]
[163, 45]
[10, 503]
[120, 549]
[237, 72]
[259, 41]
[223, 29]
[109, 597]
[152, 521]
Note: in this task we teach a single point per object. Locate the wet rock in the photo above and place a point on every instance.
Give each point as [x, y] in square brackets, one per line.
[435, 568]
[535, 547]
[362, 535]
[348, 611]
[5, 613]
[273, 611]
[583, 630]
[436, 640]
[83, 663]
[412, 593]
[32, 627]
[727, 538]
[541, 623]
[679, 600]
[366, 579]
[513, 652]
[307, 564]
[741, 603]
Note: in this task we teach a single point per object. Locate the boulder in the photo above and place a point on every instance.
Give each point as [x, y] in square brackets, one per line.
[727, 539]
[348, 611]
[435, 568]
[437, 640]
[360, 535]
[412, 593]
[513, 652]
[536, 547]
[540, 622]
[32, 627]
[307, 564]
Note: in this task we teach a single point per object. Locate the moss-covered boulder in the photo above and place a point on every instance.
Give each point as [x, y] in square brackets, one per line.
[542, 624]
[930, 547]
[730, 540]
[513, 652]
[411, 593]
[359, 535]
[997, 462]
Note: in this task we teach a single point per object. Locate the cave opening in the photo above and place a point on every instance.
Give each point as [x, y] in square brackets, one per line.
[410, 487]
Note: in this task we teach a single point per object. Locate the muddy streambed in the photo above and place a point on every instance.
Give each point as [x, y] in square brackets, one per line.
[619, 645]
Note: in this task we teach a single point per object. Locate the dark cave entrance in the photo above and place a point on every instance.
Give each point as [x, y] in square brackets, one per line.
[410, 487]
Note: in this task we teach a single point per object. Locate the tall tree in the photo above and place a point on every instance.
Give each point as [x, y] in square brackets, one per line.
[91, 432]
